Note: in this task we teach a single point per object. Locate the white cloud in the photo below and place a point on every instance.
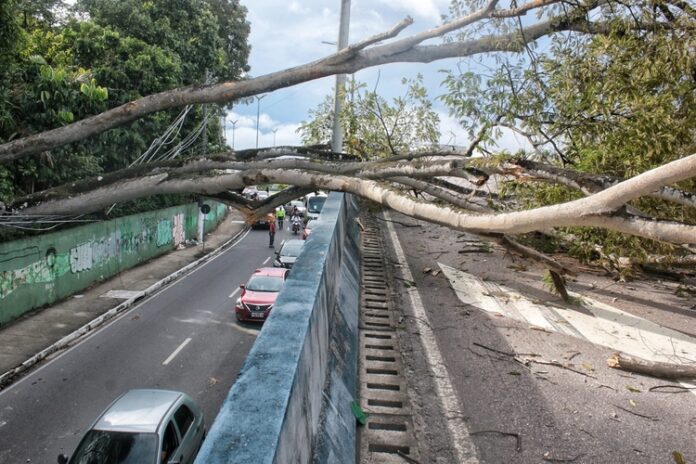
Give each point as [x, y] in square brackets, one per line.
[428, 9]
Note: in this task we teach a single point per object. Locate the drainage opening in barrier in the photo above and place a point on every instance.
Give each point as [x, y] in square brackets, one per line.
[391, 449]
[387, 426]
[383, 386]
[385, 403]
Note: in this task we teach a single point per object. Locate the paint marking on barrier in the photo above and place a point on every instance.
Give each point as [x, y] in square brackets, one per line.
[267, 260]
[458, 431]
[173, 355]
[233, 294]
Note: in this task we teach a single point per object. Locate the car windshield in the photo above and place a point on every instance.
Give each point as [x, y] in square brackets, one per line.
[315, 204]
[292, 248]
[261, 283]
[107, 447]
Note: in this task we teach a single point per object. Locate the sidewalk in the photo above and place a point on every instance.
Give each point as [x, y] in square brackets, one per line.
[24, 338]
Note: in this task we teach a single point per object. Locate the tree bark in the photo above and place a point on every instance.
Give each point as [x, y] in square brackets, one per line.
[651, 368]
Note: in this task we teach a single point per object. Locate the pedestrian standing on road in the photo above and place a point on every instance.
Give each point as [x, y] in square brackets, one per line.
[271, 233]
[280, 215]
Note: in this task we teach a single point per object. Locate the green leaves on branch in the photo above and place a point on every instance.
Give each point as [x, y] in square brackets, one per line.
[374, 126]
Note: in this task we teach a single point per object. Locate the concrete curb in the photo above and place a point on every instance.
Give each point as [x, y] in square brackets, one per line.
[7, 377]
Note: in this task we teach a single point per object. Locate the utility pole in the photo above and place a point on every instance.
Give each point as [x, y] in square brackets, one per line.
[274, 133]
[204, 141]
[337, 139]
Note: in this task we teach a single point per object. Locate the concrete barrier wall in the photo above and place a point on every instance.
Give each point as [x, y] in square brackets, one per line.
[47, 268]
[291, 401]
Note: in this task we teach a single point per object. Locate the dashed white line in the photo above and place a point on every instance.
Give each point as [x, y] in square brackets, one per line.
[233, 294]
[458, 431]
[267, 260]
[173, 355]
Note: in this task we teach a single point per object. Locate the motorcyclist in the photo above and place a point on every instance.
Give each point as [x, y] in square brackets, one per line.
[296, 222]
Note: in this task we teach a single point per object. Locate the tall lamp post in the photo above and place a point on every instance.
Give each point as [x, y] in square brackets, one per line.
[258, 114]
[274, 133]
[234, 124]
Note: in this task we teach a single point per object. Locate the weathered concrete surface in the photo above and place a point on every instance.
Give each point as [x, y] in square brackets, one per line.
[303, 359]
[41, 270]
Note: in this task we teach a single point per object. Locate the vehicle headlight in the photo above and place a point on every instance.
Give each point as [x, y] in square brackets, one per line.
[238, 303]
[277, 263]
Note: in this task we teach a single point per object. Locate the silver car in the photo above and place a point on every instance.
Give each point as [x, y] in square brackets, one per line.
[143, 427]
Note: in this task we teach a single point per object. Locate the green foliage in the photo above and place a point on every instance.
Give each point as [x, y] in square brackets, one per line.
[54, 73]
[374, 127]
[616, 104]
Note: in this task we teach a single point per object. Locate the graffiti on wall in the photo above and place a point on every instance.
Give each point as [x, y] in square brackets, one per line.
[88, 255]
[43, 271]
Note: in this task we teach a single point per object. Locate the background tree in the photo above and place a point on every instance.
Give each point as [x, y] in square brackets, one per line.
[61, 71]
[613, 104]
[374, 127]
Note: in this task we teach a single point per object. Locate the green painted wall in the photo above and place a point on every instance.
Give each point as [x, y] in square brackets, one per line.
[40, 270]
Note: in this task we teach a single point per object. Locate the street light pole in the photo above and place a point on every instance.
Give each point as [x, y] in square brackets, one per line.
[234, 124]
[258, 114]
[337, 138]
[274, 133]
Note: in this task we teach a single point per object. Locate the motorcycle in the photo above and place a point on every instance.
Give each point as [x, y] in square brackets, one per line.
[295, 227]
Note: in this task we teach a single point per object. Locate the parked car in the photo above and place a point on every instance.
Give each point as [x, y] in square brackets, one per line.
[264, 222]
[143, 426]
[288, 253]
[259, 294]
[314, 205]
[308, 228]
[299, 204]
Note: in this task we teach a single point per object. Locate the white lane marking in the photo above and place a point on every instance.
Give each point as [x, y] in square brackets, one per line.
[89, 336]
[459, 433]
[233, 294]
[267, 260]
[173, 355]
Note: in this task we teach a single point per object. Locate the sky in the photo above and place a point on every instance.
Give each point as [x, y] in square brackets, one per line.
[290, 33]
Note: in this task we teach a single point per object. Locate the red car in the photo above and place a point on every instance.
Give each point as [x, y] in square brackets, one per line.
[308, 229]
[259, 294]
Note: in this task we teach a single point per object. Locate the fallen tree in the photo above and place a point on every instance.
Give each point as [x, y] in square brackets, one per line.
[454, 184]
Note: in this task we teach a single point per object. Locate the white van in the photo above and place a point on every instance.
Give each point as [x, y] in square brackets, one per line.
[315, 202]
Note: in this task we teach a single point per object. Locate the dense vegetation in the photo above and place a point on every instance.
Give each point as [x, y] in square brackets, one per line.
[60, 64]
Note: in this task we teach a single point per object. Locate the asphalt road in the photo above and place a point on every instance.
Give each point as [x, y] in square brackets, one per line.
[563, 405]
[185, 338]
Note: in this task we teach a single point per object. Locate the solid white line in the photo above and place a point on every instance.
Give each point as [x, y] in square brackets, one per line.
[458, 431]
[233, 294]
[173, 355]
[267, 260]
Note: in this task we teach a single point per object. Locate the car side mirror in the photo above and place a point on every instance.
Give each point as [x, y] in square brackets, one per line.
[277, 253]
[62, 459]
[242, 286]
